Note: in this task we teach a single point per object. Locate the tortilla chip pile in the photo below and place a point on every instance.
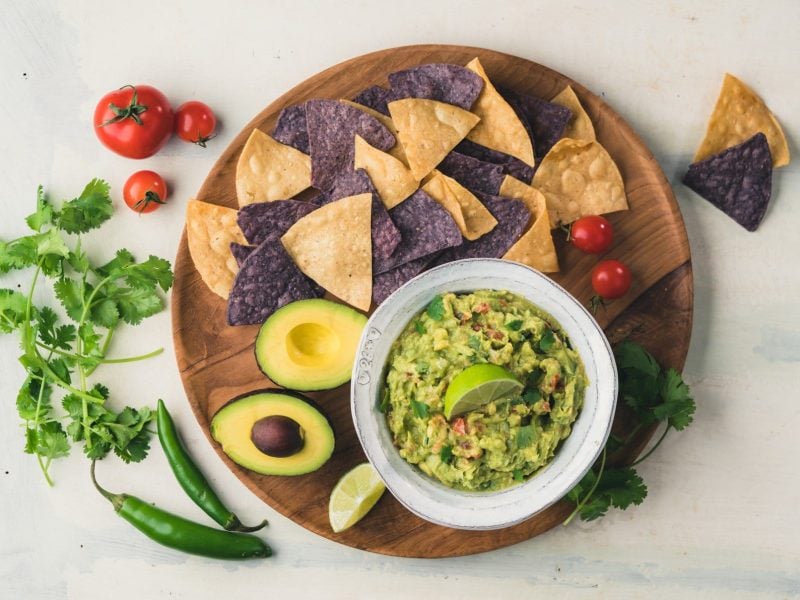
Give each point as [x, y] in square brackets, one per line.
[733, 165]
[440, 166]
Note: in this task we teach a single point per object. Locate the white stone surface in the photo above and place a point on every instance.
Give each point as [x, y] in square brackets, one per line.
[721, 519]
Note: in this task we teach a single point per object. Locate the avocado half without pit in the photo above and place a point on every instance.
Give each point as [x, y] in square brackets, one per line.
[310, 344]
[274, 432]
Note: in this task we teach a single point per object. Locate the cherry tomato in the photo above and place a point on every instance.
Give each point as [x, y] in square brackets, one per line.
[611, 279]
[145, 191]
[134, 121]
[592, 234]
[195, 122]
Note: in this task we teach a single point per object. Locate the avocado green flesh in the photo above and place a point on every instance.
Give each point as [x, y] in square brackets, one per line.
[310, 344]
[233, 424]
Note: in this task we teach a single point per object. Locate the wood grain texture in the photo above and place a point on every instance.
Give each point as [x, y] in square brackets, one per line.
[216, 362]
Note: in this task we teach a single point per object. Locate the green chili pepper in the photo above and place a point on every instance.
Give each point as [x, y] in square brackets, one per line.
[181, 534]
[191, 479]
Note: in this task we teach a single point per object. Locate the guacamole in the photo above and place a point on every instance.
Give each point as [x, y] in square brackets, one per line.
[507, 440]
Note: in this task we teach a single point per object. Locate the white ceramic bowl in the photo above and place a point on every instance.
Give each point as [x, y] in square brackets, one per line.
[422, 494]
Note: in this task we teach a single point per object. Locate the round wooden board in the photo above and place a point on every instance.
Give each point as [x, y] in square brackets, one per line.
[217, 363]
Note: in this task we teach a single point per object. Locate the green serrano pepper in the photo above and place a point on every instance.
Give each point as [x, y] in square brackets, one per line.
[181, 534]
[189, 476]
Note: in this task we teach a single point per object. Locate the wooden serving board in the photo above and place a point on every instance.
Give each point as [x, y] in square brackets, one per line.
[217, 362]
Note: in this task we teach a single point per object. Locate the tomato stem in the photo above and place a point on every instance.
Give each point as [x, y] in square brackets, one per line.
[150, 197]
[201, 139]
[132, 111]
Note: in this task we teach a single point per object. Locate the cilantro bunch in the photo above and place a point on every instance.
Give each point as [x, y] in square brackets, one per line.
[60, 356]
[654, 396]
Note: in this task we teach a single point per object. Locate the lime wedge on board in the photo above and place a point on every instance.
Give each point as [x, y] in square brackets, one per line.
[353, 496]
[478, 385]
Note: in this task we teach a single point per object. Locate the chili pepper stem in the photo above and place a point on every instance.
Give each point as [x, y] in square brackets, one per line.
[236, 525]
[115, 499]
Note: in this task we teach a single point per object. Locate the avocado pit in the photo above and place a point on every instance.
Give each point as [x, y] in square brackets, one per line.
[277, 436]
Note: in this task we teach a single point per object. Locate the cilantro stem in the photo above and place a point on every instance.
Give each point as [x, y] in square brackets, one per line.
[649, 452]
[588, 496]
[44, 467]
[102, 361]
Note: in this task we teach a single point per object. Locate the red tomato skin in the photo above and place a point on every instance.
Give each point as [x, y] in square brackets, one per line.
[611, 279]
[592, 234]
[126, 137]
[195, 122]
[136, 187]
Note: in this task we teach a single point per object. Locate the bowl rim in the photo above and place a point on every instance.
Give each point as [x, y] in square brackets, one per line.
[480, 510]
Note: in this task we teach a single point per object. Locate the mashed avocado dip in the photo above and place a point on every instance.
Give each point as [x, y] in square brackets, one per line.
[505, 441]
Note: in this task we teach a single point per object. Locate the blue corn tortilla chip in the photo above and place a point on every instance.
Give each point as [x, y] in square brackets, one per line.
[384, 284]
[738, 181]
[240, 252]
[332, 129]
[545, 121]
[511, 164]
[425, 228]
[291, 128]
[453, 84]
[267, 280]
[262, 220]
[512, 220]
[385, 234]
[375, 97]
[472, 173]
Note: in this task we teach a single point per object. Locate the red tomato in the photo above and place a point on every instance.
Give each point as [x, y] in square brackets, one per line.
[611, 279]
[145, 191]
[134, 121]
[195, 122]
[592, 234]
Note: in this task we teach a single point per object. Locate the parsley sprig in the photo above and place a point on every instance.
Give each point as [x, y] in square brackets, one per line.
[654, 396]
[56, 355]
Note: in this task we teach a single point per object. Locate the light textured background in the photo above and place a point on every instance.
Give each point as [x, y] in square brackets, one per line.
[721, 519]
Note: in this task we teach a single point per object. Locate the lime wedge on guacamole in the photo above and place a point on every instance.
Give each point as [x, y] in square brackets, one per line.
[478, 385]
[354, 495]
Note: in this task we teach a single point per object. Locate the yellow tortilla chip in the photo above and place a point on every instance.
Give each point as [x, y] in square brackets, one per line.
[578, 177]
[333, 246]
[210, 229]
[535, 248]
[500, 127]
[429, 130]
[391, 178]
[471, 216]
[396, 150]
[580, 125]
[738, 115]
[268, 170]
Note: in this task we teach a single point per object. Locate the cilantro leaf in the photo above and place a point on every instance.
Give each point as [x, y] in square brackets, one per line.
[12, 310]
[134, 304]
[435, 309]
[517, 474]
[105, 313]
[89, 210]
[420, 409]
[514, 325]
[18, 254]
[146, 275]
[547, 341]
[446, 454]
[69, 292]
[33, 398]
[419, 327]
[44, 212]
[532, 396]
[422, 367]
[474, 342]
[619, 488]
[48, 440]
[526, 435]
[678, 406]
[57, 337]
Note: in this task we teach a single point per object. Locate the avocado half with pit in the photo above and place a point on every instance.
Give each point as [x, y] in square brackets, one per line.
[310, 344]
[274, 432]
